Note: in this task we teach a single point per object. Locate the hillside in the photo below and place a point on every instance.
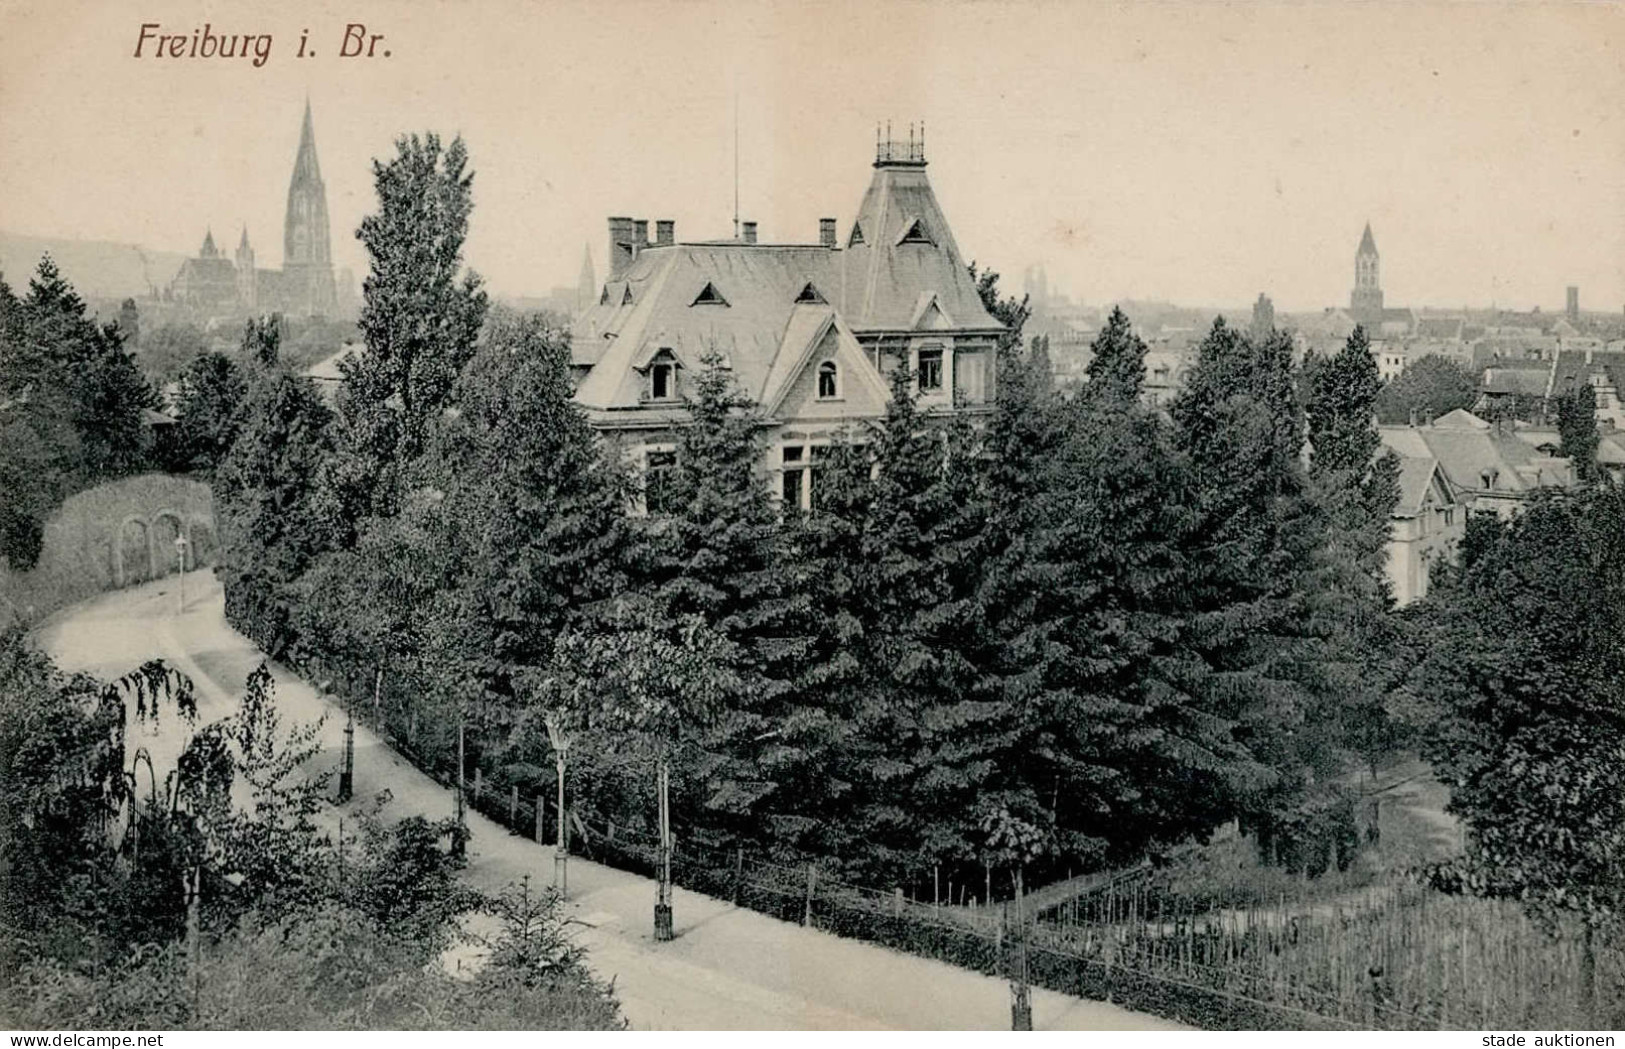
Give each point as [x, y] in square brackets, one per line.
[97, 269]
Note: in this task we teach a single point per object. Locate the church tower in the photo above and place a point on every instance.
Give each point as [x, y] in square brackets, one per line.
[586, 284]
[1365, 304]
[307, 264]
[247, 275]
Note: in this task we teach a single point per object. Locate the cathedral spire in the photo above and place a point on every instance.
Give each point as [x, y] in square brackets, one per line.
[305, 166]
[306, 241]
[242, 243]
[208, 250]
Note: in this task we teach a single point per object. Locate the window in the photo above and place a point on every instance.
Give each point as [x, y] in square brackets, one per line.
[970, 375]
[626, 296]
[915, 234]
[709, 296]
[811, 294]
[660, 382]
[658, 489]
[828, 388]
[793, 481]
[931, 370]
[793, 485]
[857, 236]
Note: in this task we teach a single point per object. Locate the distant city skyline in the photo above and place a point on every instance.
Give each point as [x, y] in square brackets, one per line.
[1197, 154]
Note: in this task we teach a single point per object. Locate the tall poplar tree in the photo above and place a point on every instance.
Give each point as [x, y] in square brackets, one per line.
[421, 311]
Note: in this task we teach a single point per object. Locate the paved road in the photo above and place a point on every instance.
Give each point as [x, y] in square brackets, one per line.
[729, 968]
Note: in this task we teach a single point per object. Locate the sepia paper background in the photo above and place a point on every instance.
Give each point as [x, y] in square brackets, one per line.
[1193, 152]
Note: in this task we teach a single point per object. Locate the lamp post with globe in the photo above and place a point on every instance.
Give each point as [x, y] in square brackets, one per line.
[180, 578]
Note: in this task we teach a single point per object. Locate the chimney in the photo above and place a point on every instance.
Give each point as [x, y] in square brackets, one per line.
[748, 232]
[665, 232]
[622, 246]
[826, 232]
[641, 232]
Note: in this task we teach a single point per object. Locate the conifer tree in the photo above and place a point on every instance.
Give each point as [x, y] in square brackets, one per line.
[106, 393]
[266, 501]
[819, 752]
[212, 392]
[711, 550]
[39, 445]
[1253, 531]
[529, 510]
[1117, 362]
[1347, 594]
[1120, 748]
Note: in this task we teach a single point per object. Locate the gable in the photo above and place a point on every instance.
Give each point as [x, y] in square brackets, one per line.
[862, 394]
[929, 314]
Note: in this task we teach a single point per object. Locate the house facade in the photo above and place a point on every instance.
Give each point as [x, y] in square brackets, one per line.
[1453, 467]
[811, 332]
[1428, 523]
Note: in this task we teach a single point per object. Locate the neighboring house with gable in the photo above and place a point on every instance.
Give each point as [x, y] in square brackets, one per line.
[1455, 466]
[810, 332]
[1428, 522]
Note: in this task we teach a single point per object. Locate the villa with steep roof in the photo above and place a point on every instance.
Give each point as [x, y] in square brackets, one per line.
[811, 332]
[1457, 465]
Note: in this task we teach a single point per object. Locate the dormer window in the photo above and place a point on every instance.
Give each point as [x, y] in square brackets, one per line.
[811, 294]
[626, 296]
[662, 382]
[829, 386]
[915, 234]
[603, 300]
[857, 236]
[709, 296]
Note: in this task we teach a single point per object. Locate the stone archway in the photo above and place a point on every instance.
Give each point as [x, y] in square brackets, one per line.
[201, 540]
[119, 578]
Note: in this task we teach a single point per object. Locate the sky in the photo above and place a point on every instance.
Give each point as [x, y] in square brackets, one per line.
[1193, 152]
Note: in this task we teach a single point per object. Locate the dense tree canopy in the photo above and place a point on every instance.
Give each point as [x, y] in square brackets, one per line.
[1429, 387]
[73, 407]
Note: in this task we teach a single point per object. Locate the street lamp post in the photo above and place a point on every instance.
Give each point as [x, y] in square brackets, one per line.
[180, 578]
[561, 851]
[347, 774]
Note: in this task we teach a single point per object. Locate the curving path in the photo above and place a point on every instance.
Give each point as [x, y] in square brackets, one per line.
[728, 968]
